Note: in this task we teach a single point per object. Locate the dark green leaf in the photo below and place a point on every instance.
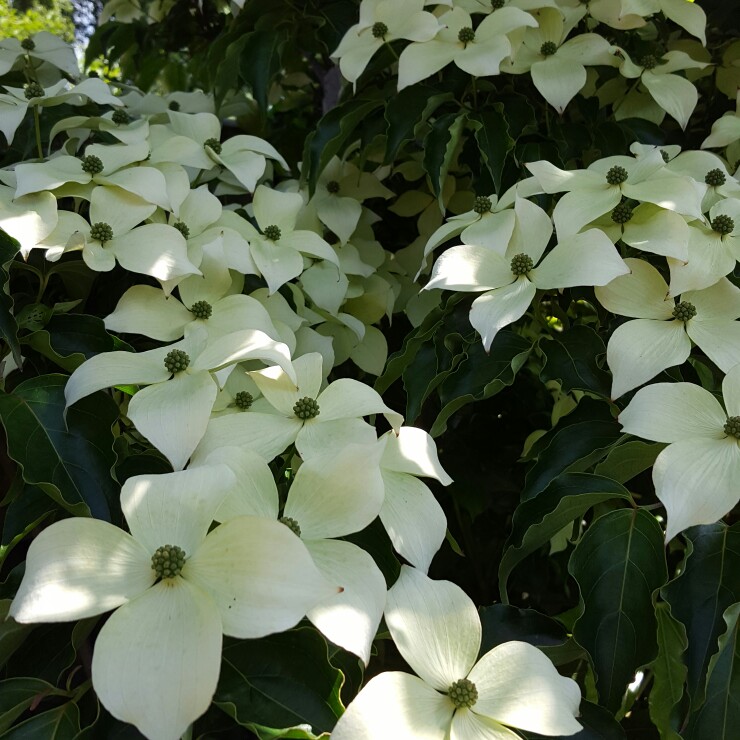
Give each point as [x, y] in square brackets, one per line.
[627, 460]
[24, 513]
[12, 634]
[618, 564]
[439, 147]
[18, 694]
[374, 540]
[62, 723]
[502, 623]
[494, 141]
[9, 247]
[598, 724]
[260, 62]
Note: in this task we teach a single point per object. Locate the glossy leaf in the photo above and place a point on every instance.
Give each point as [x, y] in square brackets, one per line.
[502, 622]
[61, 723]
[24, 513]
[18, 694]
[439, 147]
[494, 141]
[628, 460]
[259, 62]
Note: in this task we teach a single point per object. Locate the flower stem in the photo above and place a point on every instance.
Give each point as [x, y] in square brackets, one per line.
[37, 125]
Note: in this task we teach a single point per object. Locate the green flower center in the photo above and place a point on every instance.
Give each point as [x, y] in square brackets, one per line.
[521, 264]
[28, 44]
[182, 227]
[379, 30]
[201, 310]
[174, 105]
[101, 232]
[617, 175]
[548, 48]
[648, 62]
[33, 90]
[243, 400]
[498, 4]
[332, 186]
[622, 213]
[176, 361]
[684, 311]
[463, 694]
[291, 524]
[723, 224]
[92, 164]
[273, 232]
[168, 560]
[466, 35]
[214, 144]
[715, 177]
[732, 427]
[306, 408]
[120, 117]
[665, 155]
[482, 204]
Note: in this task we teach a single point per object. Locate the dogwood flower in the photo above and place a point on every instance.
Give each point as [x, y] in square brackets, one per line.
[696, 476]
[43, 46]
[688, 15]
[176, 588]
[436, 628]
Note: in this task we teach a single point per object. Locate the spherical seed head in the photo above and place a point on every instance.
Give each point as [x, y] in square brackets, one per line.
[201, 310]
[176, 361]
[463, 694]
[306, 408]
[684, 311]
[617, 175]
[497, 4]
[622, 213]
[332, 186]
[379, 30]
[174, 105]
[33, 90]
[182, 227]
[214, 144]
[723, 224]
[548, 48]
[648, 62]
[715, 177]
[732, 427]
[466, 35]
[665, 155]
[28, 44]
[482, 204]
[521, 264]
[92, 164]
[101, 231]
[273, 232]
[120, 117]
[243, 400]
[291, 524]
[168, 561]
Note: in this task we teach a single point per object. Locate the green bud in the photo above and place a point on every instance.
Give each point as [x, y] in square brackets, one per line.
[715, 177]
[28, 44]
[332, 186]
[291, 524]
[182, 228]
[379, 30]
[732, 427]
[521, 264]
[176, 361]
[101, 232]
[482, 204]
[548, 48]
[306, 408]
[648, 62]
[466, 35]
[120, 117]
[617, 175]
[168, 561]
[463, 694]
[201, 310]
[33, 90]
[214, 144]
[273, 232]
[684, 311]
[723, 224]
[92, 165]
[243, 400]
[622, 213]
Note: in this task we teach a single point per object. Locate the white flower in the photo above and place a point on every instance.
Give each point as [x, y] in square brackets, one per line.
[46, 47]
[696, 475]
[437, 630]
[156, 660]
[29, 219]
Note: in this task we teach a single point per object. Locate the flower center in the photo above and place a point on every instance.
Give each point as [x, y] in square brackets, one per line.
[174, 105]
[622, 213]
[201, 310]
[648, 62]
[498, 4]
[466, 35]
[616, 175]
[379, 30]
[291, 524]
[273, 232]
[176, 361]
[548, 48]
[28, 44]
[463, 694]
[521, 264]
[243, 400]
[482, 204]
[732, 427]
[306, 408]
[91, 164]
[101, 232]
[33, 90]
[168, 560]
[665, 155]
[715, 177]
[120, 117]
[332, 186]
[684, 311]
[723, 224]
[214, 144]
[182, 227]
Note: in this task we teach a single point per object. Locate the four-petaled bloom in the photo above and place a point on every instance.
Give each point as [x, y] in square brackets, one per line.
[436, 628]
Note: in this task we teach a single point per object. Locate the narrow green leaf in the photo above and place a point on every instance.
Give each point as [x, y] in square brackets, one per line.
[18, 694]
[9, 248]
[259, 62]
[61, 723]
[439, 147]
[494, 141]
[24, 513]
[12, 634]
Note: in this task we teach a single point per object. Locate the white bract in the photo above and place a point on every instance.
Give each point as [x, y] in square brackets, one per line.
[156, 661]
[436, 628]
[696, 475]
[45, 47]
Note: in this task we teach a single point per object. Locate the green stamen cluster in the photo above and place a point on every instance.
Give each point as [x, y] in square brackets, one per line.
[723, 224]
[732, 427]
[548, 48]
[176, 361]
[174, 105]
[379, 30]
[291, 524]
[28, 44]
[715, 177]
[214, 144]
[168, 561]
[622, 213]
[33, 90]
[665, 155]
[498, 4]
[648, 62]
[91, 164]
[466, 35]
[463, 694]
[521, 264]
[120, 117]
[201, 310]
[243, 400]
[273, 232]
[101, 231]
[617, 175]
[684, 311]
[332, 186]
[182, 227]
[306, 408]
[482, 204]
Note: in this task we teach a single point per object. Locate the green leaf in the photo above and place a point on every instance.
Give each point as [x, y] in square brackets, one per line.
[280, 681]
[70, 462]
[708, 584]
[502, 623]
[18, 694]
[62, 723]
[439, 147]
[570, 358]
[375, 542]
[628, 460]
[494, 140]
[12, 634]
[259, 62]
[598, 724]
[9, 248]
[618, 564]
[24, 513]
[537, 520]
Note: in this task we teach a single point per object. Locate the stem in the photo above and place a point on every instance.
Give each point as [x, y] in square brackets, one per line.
[37, 125]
